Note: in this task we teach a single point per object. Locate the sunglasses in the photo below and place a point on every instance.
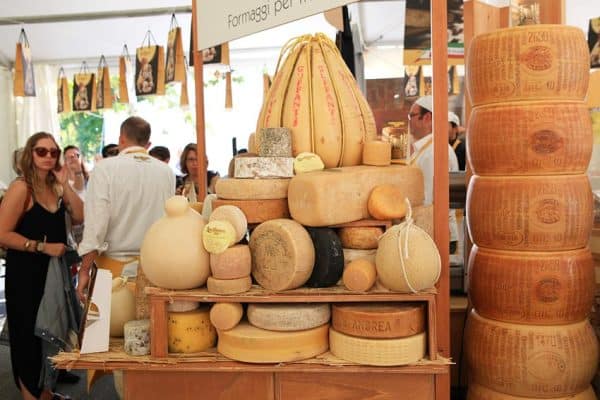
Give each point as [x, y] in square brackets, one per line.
[43, 152]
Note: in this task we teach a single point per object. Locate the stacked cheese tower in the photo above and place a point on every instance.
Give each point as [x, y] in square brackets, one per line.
[529, 209]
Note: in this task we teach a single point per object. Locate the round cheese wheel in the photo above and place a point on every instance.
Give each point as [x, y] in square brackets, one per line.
[407, 259]
[228, 286]
[539, 288]
[387, 202]
[182, 306]
[531, 360]
[307, 162]
[360, 237]
[218, 236]
[252, 189]
[479, 392]
[191, 331]
[288, 316]
[234, 216]
[233, 263]
[378, 320]
[248, 343]
[541, 62]
[530, 138]
[535, 213]
[329, 258]
[359, 275]
[377, 153]
[381, 352]
[283, 255]
[122, 306]
[258, 211]
[225, 316]
[354, 254]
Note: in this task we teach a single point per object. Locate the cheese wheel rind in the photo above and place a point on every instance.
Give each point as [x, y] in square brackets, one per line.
[377, 153]
[288, 316]
[233, 263]
[252, 189]
[359, 275]
[387, 202]
[258, 211]
[329, 258]
[360, 237]
[479, 392]
[225, 316]
[228, 286]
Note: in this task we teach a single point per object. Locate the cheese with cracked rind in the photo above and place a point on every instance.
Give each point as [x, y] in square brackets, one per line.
[288, 316]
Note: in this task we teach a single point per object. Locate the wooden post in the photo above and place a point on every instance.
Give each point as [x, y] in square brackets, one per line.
[199, 90]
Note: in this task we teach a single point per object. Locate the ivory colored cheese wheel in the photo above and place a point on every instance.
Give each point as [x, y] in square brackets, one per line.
[552, 213]
[359, 275]
[538, 288]
[340, 195]
[228, 286]
[377, 153]
[258, 211]
[170, 255]
[283, 255]
[190, 332]
[530, 138]
[225, 316]
[353, 254]
[233, 263]
[541, 62]
[218, 236]
[248, 343]
[122, 306]
[381, 352]
[378, 320]
[182, 306]
[407, 265]
[360, 237]
[307, 162]
[531, 360]
[478, 392]
[234, 216]
[288, 316]
[252, 189]
[387, 202]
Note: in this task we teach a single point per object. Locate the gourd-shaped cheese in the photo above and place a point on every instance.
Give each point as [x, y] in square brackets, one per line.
[172, 255]
[122, 307]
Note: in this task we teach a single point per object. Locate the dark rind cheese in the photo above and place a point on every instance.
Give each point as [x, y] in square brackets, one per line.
[329, 258]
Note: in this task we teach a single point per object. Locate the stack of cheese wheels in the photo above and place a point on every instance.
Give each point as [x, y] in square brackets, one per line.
[230, 263]
[529, 212]
[360, 245]
[278, 333]
[383, 334]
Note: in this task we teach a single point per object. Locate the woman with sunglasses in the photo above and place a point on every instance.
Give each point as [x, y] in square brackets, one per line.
[32, 228]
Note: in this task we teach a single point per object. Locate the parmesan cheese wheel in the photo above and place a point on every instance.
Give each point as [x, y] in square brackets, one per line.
[359, 275]
[329, 258]
[531, 360]
[248, 343]
[307, 162]
[288, 317]
[225, 316]
[379, 320]
[137, 337]
[233, 263]
[228, 286]
[478, 392]
[377, 153]
[234, 216]
[387, 202]
[264, 167]
[122, 306]
[541, 62]
[218, 236]
[353, 254]
[340, 195]
[381, 352]
[252, 189]
[190, 332]
[283, 255]
[407, 259]
[182, 306]
[530, 138]
[539, 288]
[530, 213]
[360, 237]
[258, 211]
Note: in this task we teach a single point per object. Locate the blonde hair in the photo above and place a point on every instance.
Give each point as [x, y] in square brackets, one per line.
[28, 169]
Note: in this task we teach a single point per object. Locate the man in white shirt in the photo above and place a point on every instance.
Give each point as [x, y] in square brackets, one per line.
[420, 120]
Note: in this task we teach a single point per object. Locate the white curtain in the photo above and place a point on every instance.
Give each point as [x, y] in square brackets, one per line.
[8, 138]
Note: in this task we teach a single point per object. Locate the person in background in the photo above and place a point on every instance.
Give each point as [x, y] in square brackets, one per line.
[457, 144]
[110, 150]
[16, 161]
[77, 172]
[32, 227]
[161, 153]
[188, 164]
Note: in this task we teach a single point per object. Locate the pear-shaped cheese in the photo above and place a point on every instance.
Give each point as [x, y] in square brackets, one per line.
[122, 307]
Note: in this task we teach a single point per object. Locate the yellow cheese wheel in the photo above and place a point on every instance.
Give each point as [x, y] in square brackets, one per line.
[258, 211]
[360, 237]
[307, 162]
[233, 263]
[234, 216]
[541, 62]
[288, 316]
[218, 236]
[539, 288]
[377, 153]
[359, 275]
[191, 331]
[387, 202]
[381, 352]
[479, 392]
[530, 138]
[283, 255]
[225, 316]
[551, 213]
[531, 360]
[248, 343]
[228, 286]
[252, 189]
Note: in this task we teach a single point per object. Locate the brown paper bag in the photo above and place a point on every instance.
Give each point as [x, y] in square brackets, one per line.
[175, 67]
[228, 94]
[84, 90]
[62, 92]
[150, 69]
[104, 96]
[124, 69]
[24, 81]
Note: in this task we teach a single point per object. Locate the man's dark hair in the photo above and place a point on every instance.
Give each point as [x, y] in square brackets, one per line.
[110, 150]
[137, 130]
[160, 152]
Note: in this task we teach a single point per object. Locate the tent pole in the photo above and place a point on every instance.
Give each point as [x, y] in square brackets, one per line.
[199, 91]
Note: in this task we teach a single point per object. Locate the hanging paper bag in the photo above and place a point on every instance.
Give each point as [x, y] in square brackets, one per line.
[184, 99]
[126, 78]
[84, 90]
[228, 93]
[103, 90]
[412, 81]
[150, 69]
[62, 85]
[175, 68]
[24, 82]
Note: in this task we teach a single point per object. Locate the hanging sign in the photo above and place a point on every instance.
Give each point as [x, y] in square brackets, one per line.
[221, 21]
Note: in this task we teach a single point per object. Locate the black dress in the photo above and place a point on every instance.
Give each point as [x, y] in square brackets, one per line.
[24, 285]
